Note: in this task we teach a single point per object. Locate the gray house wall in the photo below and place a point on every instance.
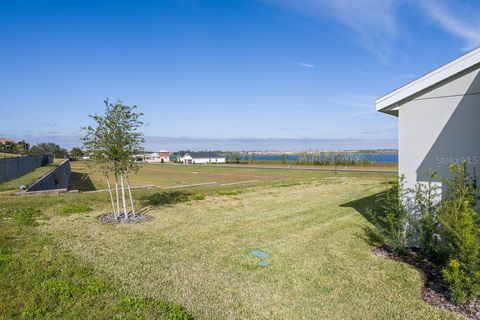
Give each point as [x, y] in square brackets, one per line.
[439, 126]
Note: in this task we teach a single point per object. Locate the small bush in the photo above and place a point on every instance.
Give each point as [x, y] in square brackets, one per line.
[426, 204]
[460, 231]
[75, 208]
[461, 283]
[396, 217]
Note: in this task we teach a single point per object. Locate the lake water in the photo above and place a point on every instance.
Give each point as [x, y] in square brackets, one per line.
[371, 157]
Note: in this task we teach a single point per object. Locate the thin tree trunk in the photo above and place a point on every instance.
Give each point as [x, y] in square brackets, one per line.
[111, 196]
[123, 198]
[130, 194]
[117, 194]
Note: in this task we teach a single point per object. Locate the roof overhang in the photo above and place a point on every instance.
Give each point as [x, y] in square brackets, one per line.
[390, 102]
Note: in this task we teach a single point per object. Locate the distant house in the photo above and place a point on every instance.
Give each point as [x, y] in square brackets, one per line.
[438, 119]
[4, 140]
[161, 156]
[191, 157]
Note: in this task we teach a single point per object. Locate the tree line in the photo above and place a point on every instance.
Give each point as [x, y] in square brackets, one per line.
[24, 148]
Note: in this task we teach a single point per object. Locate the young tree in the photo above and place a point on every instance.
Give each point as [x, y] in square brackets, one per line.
[112, 145]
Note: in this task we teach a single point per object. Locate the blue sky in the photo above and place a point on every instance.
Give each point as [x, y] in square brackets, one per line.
[225, 70]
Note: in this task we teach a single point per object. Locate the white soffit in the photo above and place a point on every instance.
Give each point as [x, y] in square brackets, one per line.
[389, 102]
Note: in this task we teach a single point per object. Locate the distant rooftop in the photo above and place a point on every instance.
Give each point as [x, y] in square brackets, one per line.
[200, 154]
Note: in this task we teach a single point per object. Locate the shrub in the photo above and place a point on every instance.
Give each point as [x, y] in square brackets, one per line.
[460, 231]
[426, 204]
[396, 217]
[462, 284]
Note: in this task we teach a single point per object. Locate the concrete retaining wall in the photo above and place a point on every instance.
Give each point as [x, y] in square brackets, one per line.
[60, 178]
[14, 167]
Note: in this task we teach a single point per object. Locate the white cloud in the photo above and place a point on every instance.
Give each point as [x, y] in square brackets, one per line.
[359, 101]
[306, 65]
[372, 21]
[375, 26]
[351, 103]
[366, 103]
[461, 23]
[360, 71]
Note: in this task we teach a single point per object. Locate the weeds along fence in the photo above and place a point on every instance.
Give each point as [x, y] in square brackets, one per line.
[307, 158]
[14, 167]
[337, 159]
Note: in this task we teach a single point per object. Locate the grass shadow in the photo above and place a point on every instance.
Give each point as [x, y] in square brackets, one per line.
[143, 210]
[371, 209]
[166, 198]
[82, 182]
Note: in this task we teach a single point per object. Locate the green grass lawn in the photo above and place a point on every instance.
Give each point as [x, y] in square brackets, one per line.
[169, 175]
[27, 179]
[40, 280]
[195, 254]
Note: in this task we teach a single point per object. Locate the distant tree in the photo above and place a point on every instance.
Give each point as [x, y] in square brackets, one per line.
[49, 147]
[23, 147]
[112, 145]
[8, 147]
[76, 153]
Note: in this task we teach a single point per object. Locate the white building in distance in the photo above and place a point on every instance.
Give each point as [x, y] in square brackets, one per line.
[190, 157]
[161, 156]
[439, 116]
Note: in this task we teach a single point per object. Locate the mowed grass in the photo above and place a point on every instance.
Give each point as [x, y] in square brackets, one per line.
[27, 179]
[196, 254]
[170, 175]
[39, 280]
